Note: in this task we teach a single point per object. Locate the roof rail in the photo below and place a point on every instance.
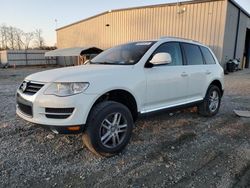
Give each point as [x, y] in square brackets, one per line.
[163, 37]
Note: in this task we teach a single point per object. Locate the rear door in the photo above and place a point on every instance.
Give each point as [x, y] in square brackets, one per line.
[196, 71]
[166, 84]
[210, 67]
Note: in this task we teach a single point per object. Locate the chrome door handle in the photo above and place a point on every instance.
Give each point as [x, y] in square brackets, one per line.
[184, 74]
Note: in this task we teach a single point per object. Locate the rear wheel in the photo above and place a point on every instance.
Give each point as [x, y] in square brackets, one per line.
[109, 128]
[211, 103]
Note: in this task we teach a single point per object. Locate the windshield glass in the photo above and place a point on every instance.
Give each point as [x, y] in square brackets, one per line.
[126, 54]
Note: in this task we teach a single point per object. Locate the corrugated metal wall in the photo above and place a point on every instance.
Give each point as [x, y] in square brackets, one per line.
[204, 22]
[230, 32]
[25, 57]
[236, 26]
[243, 24]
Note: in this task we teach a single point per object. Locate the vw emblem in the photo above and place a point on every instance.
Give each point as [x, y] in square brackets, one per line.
[23, 86]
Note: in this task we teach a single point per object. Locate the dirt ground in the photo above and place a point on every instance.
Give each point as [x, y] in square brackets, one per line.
[180, 149]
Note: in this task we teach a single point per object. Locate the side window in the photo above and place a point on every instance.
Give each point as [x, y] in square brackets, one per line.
[173, 48]
[209, 59]
[193, 54]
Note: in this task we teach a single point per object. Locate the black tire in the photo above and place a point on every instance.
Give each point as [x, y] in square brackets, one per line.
[204, 108]
[97, 128]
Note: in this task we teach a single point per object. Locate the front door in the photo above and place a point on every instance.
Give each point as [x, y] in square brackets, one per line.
[166, 84]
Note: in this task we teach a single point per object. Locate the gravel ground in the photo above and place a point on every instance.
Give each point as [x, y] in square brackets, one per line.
[179, 149]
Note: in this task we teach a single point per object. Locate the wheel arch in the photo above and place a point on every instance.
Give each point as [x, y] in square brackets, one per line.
[119, 95]
[218, 84]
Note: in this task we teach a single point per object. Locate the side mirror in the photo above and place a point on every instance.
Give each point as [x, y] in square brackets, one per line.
[161, 58]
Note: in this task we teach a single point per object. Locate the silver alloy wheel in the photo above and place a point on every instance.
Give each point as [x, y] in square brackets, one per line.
[213, 101]
[113, 130]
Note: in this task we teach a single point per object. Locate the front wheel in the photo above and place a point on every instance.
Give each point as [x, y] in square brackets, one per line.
[211, 103]
[109, 128]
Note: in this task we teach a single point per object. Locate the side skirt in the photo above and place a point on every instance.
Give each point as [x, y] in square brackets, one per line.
[170, 109]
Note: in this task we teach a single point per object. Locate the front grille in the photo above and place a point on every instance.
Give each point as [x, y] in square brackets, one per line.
[30, 88]
[58, 113]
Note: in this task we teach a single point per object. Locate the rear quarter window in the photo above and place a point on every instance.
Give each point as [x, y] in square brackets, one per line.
[209, 59]
[193, 54]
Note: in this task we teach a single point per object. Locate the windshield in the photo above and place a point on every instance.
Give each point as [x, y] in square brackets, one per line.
[126, 54]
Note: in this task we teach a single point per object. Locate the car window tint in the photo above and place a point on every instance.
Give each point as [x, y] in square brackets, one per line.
[209, 59]
[173, 48]
[125, 54]
[193, 54]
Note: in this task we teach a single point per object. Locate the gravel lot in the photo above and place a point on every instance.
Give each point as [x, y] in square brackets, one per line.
[179, 149]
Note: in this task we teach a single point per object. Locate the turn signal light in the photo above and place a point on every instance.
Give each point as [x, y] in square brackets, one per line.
[74, 128]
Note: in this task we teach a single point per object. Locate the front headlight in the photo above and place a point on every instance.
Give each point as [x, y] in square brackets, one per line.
[66, 88]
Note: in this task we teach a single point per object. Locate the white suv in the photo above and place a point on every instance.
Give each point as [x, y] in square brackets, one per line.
[103, 98]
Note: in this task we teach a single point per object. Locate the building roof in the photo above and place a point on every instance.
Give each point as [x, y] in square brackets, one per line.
[240, 7]
[139, 7]
[158, 5]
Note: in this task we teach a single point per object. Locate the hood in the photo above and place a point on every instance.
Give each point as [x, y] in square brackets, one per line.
[76, 73]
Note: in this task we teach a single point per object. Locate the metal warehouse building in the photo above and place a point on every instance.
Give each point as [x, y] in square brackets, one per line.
[221, 24]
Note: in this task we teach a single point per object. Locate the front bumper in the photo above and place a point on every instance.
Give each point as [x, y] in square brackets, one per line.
[64, 129]
[39, 103]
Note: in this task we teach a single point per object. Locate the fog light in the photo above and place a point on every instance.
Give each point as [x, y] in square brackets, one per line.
[74, 128]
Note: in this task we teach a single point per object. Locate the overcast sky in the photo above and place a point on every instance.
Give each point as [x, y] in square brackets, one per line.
[29, 15]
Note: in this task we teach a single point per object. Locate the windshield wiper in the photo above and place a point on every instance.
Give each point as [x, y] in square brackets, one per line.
[103, 63]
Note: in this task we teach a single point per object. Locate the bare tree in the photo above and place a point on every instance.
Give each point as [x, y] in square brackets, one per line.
[11, 37]
[18, 38]
[4, 36]
[28, 37]
[39, 40]
[15, 38]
